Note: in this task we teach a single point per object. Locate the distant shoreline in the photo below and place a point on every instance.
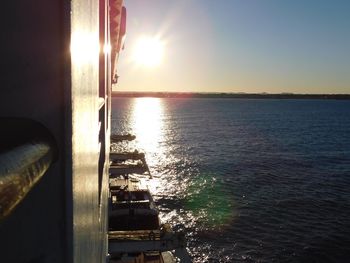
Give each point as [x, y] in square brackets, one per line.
[229, 95]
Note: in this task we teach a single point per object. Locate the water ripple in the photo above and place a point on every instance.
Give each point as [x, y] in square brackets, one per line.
[251, 180]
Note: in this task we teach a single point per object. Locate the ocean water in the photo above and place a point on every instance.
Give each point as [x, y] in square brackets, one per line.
[248, 180]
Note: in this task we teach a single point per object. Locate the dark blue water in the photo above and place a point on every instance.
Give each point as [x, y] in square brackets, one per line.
[249, 180]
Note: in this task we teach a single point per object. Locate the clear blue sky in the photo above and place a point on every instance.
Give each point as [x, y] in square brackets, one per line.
[299, 46]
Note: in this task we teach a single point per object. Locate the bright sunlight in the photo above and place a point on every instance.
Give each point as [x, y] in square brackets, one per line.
[148, 51]
[147, 123]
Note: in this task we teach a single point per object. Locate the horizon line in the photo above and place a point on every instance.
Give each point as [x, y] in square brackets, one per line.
[224, 92]
[264, 95]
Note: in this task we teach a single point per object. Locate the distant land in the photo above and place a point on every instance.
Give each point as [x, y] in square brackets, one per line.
[230, 95]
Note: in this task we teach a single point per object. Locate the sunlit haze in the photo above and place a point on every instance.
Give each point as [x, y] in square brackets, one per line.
[250, 46]
[148, 51]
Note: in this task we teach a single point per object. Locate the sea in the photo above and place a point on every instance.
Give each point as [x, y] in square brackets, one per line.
[247, 180]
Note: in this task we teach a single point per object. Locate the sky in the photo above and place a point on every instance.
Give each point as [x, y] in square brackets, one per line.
[251, 46]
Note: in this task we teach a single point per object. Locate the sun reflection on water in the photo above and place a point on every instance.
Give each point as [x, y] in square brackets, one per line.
[185, 195]
[147, 123]
[148, 126]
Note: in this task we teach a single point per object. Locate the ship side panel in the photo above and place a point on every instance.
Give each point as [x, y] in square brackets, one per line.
[50, 74]
[87, 120]
[34, 59]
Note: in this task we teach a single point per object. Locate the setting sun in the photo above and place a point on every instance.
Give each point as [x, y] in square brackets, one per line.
[148, 51]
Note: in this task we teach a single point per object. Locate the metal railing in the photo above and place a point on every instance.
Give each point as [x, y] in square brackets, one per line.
[27, 150]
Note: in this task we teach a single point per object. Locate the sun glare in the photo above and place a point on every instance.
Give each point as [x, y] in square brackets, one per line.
[148, 51]
[147, 122]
